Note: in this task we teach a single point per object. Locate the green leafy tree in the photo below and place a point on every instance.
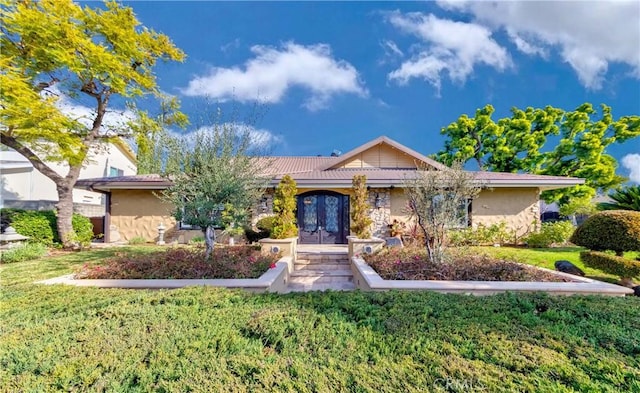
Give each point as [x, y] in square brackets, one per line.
[217, 176]
[360, 220]
[284, 207]
[56, 48]
[151, 135]
[547, 141]
[626, 198]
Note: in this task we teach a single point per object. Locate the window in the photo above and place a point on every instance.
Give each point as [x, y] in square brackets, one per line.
[113, 172]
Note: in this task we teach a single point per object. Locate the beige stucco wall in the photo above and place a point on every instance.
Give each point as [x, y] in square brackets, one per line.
[137, 213]
[518, 207]
[381, 156]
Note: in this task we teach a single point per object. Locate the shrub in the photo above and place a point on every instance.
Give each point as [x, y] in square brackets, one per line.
[24, 252]
[196, 240]
[611, 264]
[284, 206]
[616, 230]
[481, 235]
[137, 240]
[360, 220]
[265, 224]
[412, 263]
[83, 229]
[550, 233]
[39, 226]
[184, 263]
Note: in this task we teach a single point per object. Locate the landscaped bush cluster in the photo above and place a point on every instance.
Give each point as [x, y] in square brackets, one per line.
[615, 230]
[481, 235]
[611, 264]
[23, 252]
[550, 233]
[183, 263]
[412, 264]
[264, 226]
[40, 226]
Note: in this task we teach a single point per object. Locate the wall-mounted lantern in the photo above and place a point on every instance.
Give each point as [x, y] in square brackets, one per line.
[378, 201]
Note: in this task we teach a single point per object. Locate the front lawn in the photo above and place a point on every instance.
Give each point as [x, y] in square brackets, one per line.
[59, 338]
[546, 257]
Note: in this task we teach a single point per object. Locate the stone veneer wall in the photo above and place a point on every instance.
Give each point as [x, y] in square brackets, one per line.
[381, 216]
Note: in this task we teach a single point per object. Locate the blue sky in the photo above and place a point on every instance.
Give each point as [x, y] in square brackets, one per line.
[334, 75]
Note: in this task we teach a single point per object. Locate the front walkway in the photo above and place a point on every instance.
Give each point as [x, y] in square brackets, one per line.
[319, 267]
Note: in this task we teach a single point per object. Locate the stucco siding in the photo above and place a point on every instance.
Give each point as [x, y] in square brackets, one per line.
[137, 213]
[517, 207]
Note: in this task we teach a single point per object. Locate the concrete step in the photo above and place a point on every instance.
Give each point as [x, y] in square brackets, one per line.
[322, 273]
[311, 257]
[320, 279]
[296, 287]
[321, 266]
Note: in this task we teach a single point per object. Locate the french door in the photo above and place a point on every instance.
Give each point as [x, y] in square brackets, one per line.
[323, 218]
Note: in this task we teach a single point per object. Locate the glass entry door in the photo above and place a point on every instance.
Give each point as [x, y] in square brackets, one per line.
[323, 218]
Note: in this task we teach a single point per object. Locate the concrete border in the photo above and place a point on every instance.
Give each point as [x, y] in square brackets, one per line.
[366, 279]
[273, 280]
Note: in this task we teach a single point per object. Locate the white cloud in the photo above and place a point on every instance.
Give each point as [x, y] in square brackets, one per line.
[261, 138]
[391, 48]
[632, 163]
[273, 71]
[449, 46]
[588, 35]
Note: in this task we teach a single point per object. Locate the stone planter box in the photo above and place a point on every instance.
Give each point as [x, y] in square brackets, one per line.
[273, 280]
[366, 279]
[363, 246]
[288, 246]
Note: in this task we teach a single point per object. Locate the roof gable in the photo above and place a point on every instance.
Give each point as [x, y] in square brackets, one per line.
[383, 153]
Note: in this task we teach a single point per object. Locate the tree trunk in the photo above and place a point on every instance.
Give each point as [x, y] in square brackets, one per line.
[65, 215]
[209, 240]
[65, 207]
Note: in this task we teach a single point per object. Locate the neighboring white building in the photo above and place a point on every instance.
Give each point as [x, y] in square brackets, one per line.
[25, 187]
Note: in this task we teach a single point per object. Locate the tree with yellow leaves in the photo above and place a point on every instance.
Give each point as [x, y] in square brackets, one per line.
[56, 49]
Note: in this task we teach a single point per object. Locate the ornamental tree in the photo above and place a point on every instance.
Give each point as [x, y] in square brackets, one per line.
[544, 141]
[54, 50]
[438, 200]
[217, 175]
[284, 207]
[360, 220]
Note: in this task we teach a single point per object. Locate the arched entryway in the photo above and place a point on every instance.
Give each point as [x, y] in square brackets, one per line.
[323, 217]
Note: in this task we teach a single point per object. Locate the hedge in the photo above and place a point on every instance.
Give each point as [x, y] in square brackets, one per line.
[611, 264]
[41, 226]
[616, 230]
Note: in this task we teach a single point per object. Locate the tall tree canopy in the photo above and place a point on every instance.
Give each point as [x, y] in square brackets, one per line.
[545, 141]
[53, 50]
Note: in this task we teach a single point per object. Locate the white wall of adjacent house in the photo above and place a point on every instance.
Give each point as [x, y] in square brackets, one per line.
[20, 181]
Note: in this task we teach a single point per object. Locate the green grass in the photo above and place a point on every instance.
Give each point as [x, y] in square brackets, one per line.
[58, 338]
[546, 257]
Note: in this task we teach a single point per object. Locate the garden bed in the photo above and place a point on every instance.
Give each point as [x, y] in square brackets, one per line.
[477, 275]
[230, 267]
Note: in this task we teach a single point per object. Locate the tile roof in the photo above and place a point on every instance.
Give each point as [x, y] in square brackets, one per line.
[309, 171]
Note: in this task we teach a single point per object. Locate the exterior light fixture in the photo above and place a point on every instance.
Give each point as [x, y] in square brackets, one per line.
[378, 201]
[263, 205]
